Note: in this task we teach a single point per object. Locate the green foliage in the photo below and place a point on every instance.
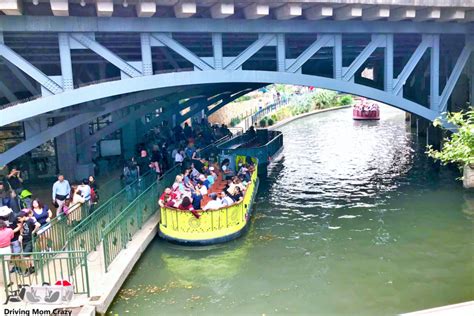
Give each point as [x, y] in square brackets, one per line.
[459, 146]
[345, 100]
[243, 98]
[263, 122]
[234, 121]
[270, 122]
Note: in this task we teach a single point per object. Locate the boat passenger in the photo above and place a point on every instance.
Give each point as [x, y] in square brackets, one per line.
[226, 172]
[238, 195]
[226, 200]
[165, 197]
[186, 205]
[202, 188]
[213, 204]
[203, 180]
[197, 198]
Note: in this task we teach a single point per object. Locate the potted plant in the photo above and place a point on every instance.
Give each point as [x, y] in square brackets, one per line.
[458, 148]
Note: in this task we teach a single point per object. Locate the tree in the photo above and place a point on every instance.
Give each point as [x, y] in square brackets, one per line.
[459, 146]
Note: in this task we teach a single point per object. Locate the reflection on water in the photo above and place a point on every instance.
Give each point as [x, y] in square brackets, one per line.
[353, 220]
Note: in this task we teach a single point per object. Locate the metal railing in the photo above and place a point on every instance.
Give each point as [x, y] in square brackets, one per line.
[121, 229]
[88, 233]
[53, 236]
[56, 266]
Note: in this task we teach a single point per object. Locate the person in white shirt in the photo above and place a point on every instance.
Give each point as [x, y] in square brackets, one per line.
[178, 158]
[202, 188]
[226, 200]
[213, 204]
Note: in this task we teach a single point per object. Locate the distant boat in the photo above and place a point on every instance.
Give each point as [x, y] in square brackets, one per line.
[364, 110]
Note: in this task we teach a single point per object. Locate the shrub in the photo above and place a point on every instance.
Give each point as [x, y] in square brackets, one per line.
[459, 146]
[243, 98]
[234, 121]
[263, 122]
[274, 117]
[270, 122]
[345, 100]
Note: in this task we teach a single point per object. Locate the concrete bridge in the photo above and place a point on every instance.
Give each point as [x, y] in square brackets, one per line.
[77, 71]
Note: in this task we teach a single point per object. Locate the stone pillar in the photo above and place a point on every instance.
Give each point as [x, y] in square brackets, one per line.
[468, 177]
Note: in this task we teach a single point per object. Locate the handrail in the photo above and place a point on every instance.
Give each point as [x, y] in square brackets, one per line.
[48, 268]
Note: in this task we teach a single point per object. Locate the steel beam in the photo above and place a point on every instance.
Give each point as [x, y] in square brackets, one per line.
[281, 52]
[11, 7]
[250, 51]
[29, 69]
[217, 50]
[60, 7]
[428, 14]
[402, 14]
[426, 42]
[66, 63]
[105, 53]
[348, 12]
[318, 12]
[169, 25]
[256, 11]
[388, 64]
[323, 41]
[7, 93]
[434, 74]
[22, 78]
[452, 14]
[181, 50]
[454, 76]
[54, 102]
[185, 9]
[376, 42]
[376, 13]
[288, 11]
[147, 62]
[222, 10]
[104, 7]
[73, 122]
[337, 57]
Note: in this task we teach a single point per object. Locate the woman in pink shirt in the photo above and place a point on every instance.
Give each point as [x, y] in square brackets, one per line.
[6, 236]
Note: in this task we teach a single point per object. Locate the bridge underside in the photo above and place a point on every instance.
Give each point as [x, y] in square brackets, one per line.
[79, 84]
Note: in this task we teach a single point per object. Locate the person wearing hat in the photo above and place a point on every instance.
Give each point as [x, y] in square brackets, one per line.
[26, 198]
[203, 180]
[213, 204]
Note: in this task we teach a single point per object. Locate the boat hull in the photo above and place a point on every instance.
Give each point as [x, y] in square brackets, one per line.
[213, 227]
[365, 115]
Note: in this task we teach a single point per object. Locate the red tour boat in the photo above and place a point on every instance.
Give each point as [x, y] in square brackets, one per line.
[364, 110]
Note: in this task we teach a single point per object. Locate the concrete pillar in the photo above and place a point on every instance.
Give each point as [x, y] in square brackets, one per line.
[468, 177]
[129, 139]
[67, 155]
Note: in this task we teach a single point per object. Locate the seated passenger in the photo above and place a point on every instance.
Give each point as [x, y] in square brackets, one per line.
[226, 200]
[186, 205]
[165, 198]
[238, 195]
[213, 204]
[226, 172]
[204, 181]
[201, 188]
[197, 198]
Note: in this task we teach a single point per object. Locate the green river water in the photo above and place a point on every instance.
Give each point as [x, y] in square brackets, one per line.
[354, 220]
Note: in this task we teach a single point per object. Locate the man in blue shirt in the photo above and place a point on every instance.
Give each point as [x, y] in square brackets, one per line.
[61, 191]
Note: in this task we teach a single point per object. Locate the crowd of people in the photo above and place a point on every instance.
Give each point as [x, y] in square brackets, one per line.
[205, 186]
[164, 147]
[366, 107]
[23, 216]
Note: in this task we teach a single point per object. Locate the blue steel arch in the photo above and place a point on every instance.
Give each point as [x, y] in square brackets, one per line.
[160, 81]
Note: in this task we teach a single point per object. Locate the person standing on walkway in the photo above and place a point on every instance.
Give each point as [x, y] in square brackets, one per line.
[15, 180]
[6, 236]
[61, 191]
[29, 226]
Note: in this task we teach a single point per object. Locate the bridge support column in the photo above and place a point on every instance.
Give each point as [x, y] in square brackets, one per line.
[129, 139]
[67, 155]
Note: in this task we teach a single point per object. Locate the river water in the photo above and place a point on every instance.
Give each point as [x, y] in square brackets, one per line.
[354, 220]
